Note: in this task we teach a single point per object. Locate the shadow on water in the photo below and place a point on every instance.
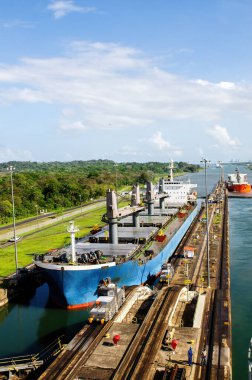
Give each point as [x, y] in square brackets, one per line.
[33, 323]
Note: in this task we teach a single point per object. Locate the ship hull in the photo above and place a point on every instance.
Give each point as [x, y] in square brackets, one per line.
[76, 286]
[239, 188]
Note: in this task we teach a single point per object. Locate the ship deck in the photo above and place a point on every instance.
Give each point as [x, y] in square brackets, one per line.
[159, 219]
[130, 234]
[107, 249]
[132, 243]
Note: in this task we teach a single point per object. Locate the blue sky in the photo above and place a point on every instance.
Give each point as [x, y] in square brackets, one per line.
[127, 80]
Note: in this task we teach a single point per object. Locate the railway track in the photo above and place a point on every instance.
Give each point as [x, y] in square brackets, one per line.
[48, 215]
[139, 357]
[78, 351]
[58, 367]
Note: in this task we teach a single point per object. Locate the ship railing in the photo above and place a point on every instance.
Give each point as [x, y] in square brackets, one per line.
[31, 361]
[17, 363]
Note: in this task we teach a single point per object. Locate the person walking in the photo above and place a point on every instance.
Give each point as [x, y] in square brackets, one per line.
[190, 355]
[203, 356]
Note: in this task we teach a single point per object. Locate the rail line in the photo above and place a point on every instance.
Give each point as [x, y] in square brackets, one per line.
[48, 215]
[140, 354]
[78, 351]
[58, 367]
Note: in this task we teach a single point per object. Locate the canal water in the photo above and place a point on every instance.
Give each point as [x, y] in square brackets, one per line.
[27, 327]
[31, 325]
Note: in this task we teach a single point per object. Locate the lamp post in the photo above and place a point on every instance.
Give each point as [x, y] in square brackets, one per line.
[80, 202]
[205, 162]
[221, 171]
[11, 169]
[115, 165]
[37, 216]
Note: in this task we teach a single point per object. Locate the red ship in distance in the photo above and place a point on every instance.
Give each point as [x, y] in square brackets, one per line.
[238, 182]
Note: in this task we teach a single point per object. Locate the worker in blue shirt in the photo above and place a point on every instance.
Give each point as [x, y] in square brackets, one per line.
[190, 355]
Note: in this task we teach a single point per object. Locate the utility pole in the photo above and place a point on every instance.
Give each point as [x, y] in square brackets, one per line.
[116, 177]
[221, 169]
[37, 216]
[80, 202]
[205, 162]
[11, 169]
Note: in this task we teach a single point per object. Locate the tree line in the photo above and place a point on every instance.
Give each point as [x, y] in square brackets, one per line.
[55, 186]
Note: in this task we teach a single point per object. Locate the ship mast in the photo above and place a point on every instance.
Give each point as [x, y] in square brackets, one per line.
[238, 177]
[72, 231]
[171, 167]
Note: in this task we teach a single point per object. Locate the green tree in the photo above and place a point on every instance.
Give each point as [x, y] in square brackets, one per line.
[5, 210]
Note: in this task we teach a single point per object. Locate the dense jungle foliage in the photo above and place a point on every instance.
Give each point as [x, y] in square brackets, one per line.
[59, 185]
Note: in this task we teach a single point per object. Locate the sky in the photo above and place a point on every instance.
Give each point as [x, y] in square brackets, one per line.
[125, 80]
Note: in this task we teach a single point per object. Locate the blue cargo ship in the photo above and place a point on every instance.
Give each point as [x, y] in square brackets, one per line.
[133, 262]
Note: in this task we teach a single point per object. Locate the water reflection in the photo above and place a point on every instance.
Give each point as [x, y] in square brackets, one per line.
[28, 326]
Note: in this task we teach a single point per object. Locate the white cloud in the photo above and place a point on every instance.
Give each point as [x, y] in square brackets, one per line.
[127, 150]
[10, 154]
[226, 85]
[110, 86]
[61, 8]
[68, 112]
[26, 95]
[160, 143]
[158, 140]
[17, 24]
[222, 137]
[201, 152]
[223, 85]
[73, 126]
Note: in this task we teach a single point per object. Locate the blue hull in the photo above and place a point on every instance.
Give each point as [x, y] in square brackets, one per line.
[78, 288]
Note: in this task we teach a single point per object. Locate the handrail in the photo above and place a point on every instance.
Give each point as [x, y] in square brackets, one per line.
[32, 360]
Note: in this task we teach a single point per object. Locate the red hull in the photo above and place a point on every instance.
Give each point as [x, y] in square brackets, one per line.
[240, 188]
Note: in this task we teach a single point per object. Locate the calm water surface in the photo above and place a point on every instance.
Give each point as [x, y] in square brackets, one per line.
[240, 212]
[29, 326]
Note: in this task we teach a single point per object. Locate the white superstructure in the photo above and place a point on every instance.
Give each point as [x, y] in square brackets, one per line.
[237, 178]
[179, 192]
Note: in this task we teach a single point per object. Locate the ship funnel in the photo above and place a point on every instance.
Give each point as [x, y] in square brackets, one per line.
[171, 167]
[72, 231]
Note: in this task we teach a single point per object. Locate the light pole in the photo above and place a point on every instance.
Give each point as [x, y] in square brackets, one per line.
[11, 169]
[221, 168]
[80, 202]
[222, 173]
[205, 162]
[37, 216]
[116, 177]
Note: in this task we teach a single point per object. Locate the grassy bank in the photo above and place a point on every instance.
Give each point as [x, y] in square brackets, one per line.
[52, 237]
